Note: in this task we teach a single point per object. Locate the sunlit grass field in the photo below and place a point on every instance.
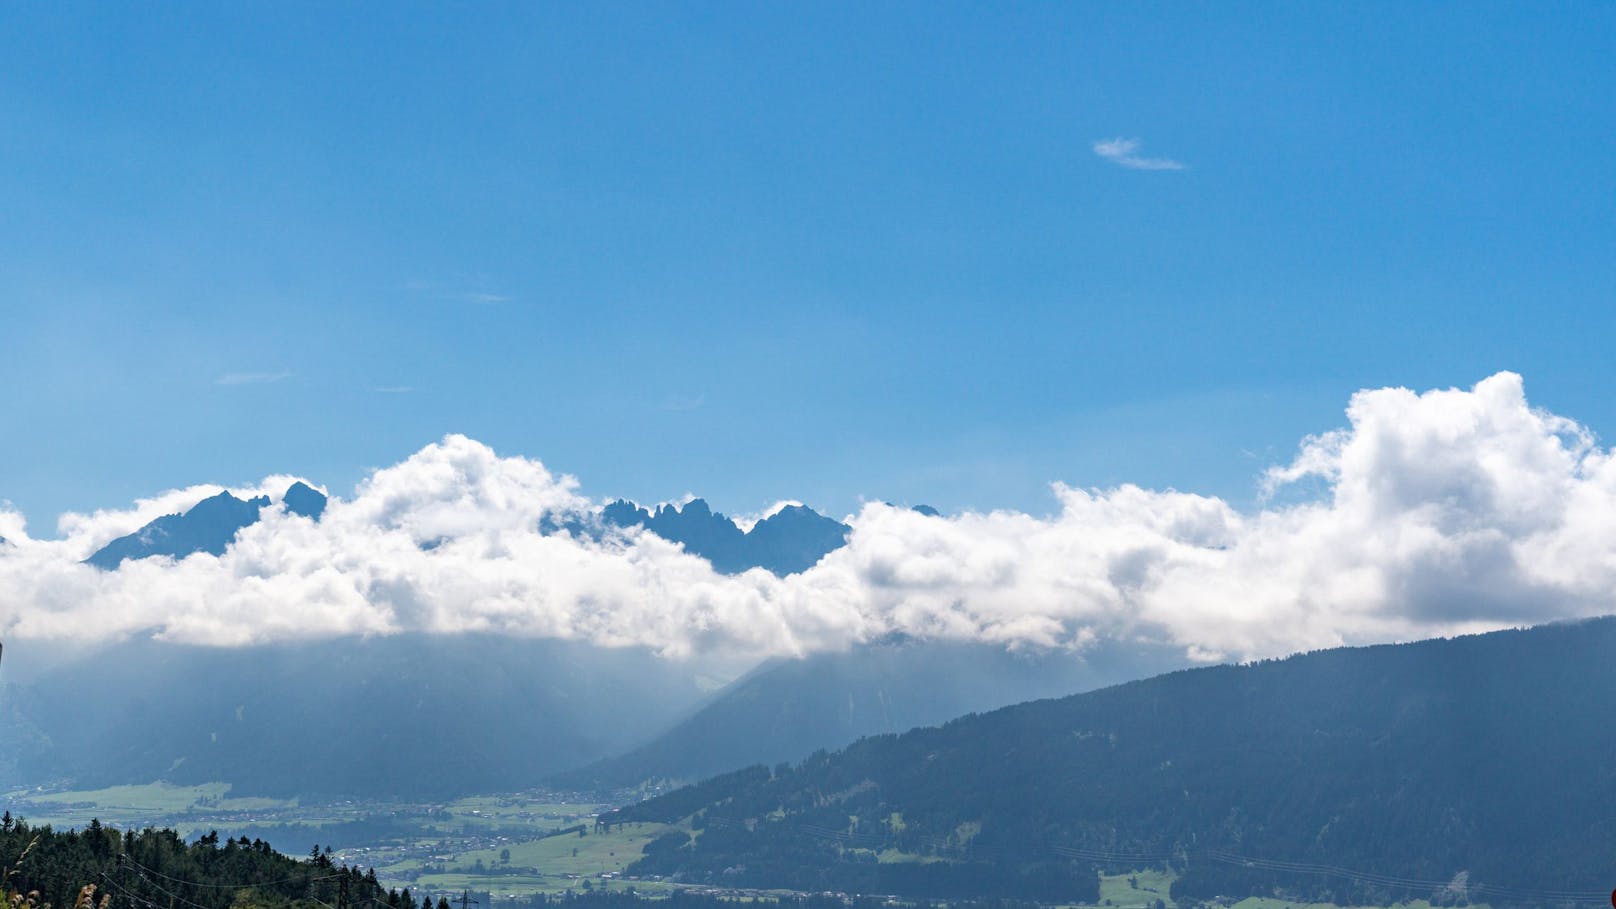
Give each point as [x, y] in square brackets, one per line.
[138, 805]
[563, 863]
[1153, 884]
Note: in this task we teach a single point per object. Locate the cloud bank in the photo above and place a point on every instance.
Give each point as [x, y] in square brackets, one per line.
[1124, 153]
[1437, 513]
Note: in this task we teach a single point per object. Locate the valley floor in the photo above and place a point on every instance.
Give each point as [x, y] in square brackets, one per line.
[508, 847]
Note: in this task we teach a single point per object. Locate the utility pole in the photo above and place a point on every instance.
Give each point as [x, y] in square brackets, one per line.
[465, 900]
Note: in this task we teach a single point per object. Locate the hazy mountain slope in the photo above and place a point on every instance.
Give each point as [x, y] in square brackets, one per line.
[786, 542]
[208, 526]
[1491, 754]
[788, 708]
[414, 715]
[19, 734]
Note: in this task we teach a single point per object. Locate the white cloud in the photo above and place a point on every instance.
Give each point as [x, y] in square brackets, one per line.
[1443, 512]
[1123, 152]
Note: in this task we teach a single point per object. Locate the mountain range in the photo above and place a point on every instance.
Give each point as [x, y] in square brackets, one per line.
[1480, 768]
[788, 541]
[208, 526]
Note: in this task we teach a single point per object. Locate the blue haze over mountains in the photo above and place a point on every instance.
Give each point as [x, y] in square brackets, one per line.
[569, 712]
[409, 715]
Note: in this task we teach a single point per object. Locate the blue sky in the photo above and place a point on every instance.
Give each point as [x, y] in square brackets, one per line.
[762, 251]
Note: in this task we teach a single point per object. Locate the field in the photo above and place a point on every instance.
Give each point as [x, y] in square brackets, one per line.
[592, 853]
[150, 797]
[514, 867]
[1136, 890]
[138, 805]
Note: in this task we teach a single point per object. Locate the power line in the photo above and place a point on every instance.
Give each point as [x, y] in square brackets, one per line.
[133, 897]
[124, 857]
[172, 896]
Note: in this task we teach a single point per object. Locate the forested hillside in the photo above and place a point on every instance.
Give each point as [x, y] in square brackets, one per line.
[155, 868]
[1487, 762]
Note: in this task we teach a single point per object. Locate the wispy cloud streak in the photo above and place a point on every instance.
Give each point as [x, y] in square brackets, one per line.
[252, 378]
[1122, 152]
[680, 403]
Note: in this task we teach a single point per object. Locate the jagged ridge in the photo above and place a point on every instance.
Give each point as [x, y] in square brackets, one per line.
[208, 526]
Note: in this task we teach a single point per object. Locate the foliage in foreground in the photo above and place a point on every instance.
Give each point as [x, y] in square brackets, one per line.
[100, 868]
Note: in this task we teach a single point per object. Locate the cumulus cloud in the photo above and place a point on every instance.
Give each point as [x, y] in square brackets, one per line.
[1444, 512]
[1124, 153]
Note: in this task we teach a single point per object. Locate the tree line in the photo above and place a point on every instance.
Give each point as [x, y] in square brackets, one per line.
[157, 869]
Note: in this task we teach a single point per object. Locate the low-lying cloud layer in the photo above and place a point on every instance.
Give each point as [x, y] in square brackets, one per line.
[1435, 513]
